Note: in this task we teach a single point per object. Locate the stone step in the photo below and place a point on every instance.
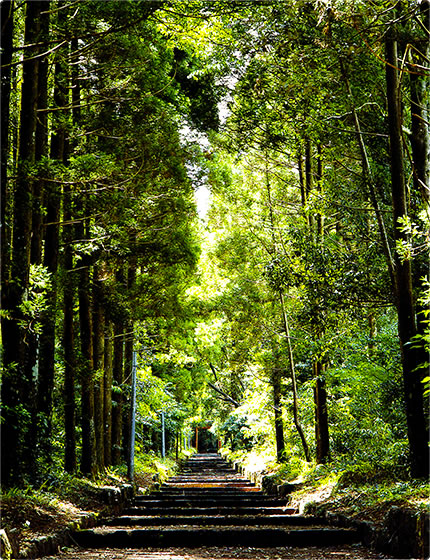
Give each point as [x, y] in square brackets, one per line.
[214, 510]
[207, 501]
[210, 505]
[190, 537]
[208, 479]
[204, 492]
[292, 520]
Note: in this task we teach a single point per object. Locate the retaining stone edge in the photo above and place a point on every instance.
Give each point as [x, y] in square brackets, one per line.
[116, 499]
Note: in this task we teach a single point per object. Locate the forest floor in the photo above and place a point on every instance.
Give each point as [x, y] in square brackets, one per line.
[28, 516]
[362, 502]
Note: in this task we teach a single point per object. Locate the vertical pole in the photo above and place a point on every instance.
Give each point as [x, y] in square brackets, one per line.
[197, 440]
[133, 418]
[163, 436]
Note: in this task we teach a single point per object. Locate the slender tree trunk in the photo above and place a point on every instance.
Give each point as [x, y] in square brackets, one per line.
[69, 346]
[18, 349]
[50, 261]
[412, 357]
[99, 358]
[276, 380]
[10, 429]
[108, 381]
[297, 423]
[41, 141]
[321, 415]
[309, 179]
[70, 360]
[319, 178]
[117, 397]
[128, 356]
[88, 459]
[322, 437]
[128, 367]
[420, 112]
[302, 177]
[6, 51]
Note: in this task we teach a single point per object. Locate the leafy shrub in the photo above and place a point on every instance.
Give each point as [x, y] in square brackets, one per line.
[372, 473]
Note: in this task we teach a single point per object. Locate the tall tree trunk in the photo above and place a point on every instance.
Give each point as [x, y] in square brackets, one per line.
[412, 357]
[117, 396]
[128, 357]
[99, 365]
[319, 181]
[10, 429]
[50, 261]
[69, 344]
[322, 438]
[297, 423]
[6, 51]
[41, 141]
[309, 178]
[18, 350]
[69, 295]
[321, 415]
[420, 111]
[302, 177]
[128, 371]
[88, 459]
[108, 380]
[276, 381]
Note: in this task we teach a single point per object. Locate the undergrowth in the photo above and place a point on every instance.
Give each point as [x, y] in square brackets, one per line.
[61, 496]
[354, 488]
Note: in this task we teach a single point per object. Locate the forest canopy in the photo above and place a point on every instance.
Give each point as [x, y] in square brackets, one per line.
[291, 316]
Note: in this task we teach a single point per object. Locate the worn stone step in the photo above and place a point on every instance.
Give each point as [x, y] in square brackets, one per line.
[208, 478]
[214, 510]
[292, 520]
[209, 492]
[191, 537]
[205, 501]
[215, 490]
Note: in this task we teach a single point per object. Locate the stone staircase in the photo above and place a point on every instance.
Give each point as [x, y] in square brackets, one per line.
[209, 504]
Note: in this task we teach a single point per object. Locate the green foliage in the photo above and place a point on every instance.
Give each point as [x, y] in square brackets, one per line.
[371, 473]
[35, 301]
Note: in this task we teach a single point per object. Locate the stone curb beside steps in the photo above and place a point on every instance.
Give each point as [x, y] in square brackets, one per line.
[115, 498]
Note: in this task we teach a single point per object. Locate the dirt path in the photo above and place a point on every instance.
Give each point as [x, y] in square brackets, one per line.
[240, 553]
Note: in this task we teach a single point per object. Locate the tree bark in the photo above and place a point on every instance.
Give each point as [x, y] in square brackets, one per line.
[99, 358]
[117, 397]
[50, 261]
[19, 356]
[128, 366]
[321, 415]
[88, 458]
[41, 141]
[6, 51]
[276, 378]
[420, 112]
[108, 379]
[69, 296]
[69, 347]
[412, 357]
[308, 177]
[302, 177]
[297, 423]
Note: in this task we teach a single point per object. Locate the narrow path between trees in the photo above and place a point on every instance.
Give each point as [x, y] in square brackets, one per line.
[210, 511]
